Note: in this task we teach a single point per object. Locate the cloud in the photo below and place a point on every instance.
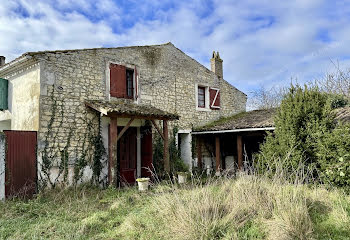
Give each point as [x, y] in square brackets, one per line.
[261, 42]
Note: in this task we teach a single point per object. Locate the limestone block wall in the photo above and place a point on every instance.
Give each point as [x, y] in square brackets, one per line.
[167, 80]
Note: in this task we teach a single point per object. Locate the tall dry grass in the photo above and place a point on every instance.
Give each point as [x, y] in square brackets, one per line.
[279, 207]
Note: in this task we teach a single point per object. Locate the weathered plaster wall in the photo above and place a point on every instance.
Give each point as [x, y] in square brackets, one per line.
[186, 148]
[23, 101]
[5, 125]
[167, 80]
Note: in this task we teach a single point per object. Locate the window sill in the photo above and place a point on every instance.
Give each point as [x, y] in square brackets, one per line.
[203, 109]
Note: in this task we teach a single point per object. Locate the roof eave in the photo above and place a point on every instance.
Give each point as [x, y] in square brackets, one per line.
[234, 130]
[15, 62]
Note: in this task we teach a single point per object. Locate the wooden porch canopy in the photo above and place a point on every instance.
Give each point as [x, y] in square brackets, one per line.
[124, 109]
[238, 124]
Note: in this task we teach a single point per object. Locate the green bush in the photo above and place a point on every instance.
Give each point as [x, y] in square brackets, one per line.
[333, 152]
[338, 101]
[158, 154]
[304, 112]
[306, 133]
[176, 162]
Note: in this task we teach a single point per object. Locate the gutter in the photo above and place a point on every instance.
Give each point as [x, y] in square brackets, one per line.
[236, 130]
[15, 62]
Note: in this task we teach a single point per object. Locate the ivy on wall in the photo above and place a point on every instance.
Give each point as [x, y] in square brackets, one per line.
[56, 155]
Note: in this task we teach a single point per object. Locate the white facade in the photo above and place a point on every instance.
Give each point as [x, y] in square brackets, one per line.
[23, 101]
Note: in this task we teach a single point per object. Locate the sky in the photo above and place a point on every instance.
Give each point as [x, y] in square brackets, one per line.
[263, 43]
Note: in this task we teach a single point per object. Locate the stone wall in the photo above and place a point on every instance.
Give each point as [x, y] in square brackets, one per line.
[167, 80]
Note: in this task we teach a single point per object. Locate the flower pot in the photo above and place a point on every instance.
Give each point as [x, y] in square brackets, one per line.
[143, 184]
[182, 177]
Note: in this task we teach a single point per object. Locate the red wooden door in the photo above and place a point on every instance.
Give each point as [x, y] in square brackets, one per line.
[127, 155]
[21, 168]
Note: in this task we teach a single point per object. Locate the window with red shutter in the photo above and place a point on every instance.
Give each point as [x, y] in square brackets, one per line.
[122, 81]
[117, 80]
[214, 94]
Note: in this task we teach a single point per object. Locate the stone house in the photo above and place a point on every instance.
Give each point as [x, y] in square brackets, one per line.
[125, 95]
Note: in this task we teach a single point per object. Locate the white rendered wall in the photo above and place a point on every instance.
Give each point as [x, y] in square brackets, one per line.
[186, 148]
[23, 101]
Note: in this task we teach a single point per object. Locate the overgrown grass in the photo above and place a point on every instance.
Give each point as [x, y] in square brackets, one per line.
[248, 207]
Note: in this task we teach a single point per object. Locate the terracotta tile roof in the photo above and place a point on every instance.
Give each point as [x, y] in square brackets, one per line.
[259, 119]
[122, 107]
[251, 119]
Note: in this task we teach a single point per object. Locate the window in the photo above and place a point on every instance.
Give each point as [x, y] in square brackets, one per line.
[201, 97]
[129, 83]
[122, 81]
[207, 98]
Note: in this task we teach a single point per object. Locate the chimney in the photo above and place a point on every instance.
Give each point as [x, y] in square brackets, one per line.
[216, 64]
[2, 61]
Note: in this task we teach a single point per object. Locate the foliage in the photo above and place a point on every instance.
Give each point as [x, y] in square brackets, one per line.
[56, 154]
[338, 101]
[176, 163]
[333, 152]
[250, 207]
[158, 161]
[304, 112]
[99, 153]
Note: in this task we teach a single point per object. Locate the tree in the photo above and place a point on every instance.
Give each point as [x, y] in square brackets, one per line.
[304, 112]
[263, 98]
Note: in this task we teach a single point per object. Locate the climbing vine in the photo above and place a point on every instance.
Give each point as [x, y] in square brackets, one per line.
[99, 154]
[89, 149]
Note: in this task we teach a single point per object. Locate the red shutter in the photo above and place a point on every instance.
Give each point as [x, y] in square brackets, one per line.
[146, 151]
[214, 94]
[117, 80]
[136, 85]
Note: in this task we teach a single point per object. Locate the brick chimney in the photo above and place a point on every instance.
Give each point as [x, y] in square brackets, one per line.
[216, 64]
[2, 61]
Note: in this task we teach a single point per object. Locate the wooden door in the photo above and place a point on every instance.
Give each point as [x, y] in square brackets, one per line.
[127, 156]
[21, 177]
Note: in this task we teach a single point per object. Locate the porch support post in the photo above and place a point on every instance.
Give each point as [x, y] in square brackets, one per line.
[217, 153]
[239, 151]
[112, 148]
[199, 153]
[166, 146]
[158, 129]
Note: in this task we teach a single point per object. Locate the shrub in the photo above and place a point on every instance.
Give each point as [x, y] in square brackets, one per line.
[176, 163]
[333, 151]
[158, 149]
[304, 112]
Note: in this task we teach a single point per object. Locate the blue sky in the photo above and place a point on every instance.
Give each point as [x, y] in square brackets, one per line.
[263, 43]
